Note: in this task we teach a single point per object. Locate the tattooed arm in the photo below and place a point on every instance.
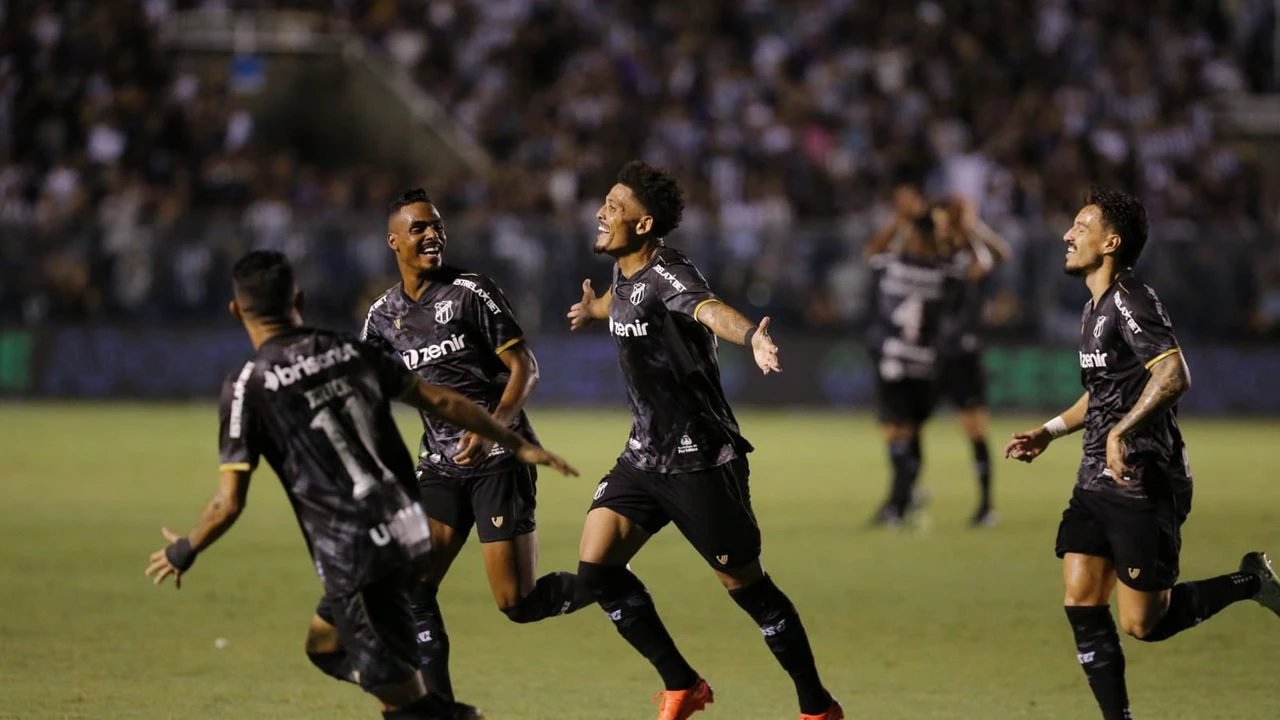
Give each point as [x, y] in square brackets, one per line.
[218, 516]
[1170, 378]
[729, 324]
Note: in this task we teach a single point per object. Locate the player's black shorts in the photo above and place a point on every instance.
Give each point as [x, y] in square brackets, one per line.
[501, 504]
[1142, 537]
[963, 381]
[905, 402]
[712, 508]
[375, 628]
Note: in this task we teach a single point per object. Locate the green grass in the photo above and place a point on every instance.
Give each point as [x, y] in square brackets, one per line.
[948, 623]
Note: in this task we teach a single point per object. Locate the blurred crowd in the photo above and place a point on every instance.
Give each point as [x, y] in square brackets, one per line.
[126, 185]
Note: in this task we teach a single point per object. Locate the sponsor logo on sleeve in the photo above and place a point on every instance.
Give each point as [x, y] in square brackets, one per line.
[1128, 315]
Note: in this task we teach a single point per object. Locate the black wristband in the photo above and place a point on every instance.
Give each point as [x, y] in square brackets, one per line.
[180, 554]
[746, 339]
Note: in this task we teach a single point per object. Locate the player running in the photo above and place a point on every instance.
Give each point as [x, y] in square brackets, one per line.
[315, 404]
[685, 461]
[910, 271]
[976, 251]
[456, 329]
[1133, 488]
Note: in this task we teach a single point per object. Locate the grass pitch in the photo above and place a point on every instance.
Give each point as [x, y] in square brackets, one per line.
[945, 623]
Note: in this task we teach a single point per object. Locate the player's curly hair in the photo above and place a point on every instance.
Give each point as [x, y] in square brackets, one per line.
[1127, 217]
[412, 196]
[657, 191]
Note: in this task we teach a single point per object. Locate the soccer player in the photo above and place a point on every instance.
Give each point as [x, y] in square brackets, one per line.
[315, 404]
[456, 329]
[976, 251]
[685, 460]
[910, 271]
[1133, 488]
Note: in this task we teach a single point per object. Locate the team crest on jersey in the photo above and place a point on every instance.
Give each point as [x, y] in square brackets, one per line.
[397, 323]
[1097, 327]
[444, 311]
[637, 293]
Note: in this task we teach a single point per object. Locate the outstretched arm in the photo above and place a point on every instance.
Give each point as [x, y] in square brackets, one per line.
[1030, 444]
[453, 407]
[218, 516]
[1170, 378]
[589, 308]
[731, 325]
[520, 385]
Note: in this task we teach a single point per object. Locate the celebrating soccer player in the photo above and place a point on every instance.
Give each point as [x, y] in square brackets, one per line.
[685, 461]
[315, 404]
[456, 329]
[910, 265]
[1133, 488]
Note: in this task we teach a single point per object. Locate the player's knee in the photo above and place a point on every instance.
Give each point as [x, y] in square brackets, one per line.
[606, 582]
[520, 612]
[334, 664]
[1138, 628]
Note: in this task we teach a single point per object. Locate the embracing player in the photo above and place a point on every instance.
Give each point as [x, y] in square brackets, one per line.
[315, 404]
[685, 461]
[910, 267]
[456, 329]
[1133, 488]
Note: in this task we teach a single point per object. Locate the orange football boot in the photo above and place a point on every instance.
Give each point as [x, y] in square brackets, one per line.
[680, 704]
[835, 712]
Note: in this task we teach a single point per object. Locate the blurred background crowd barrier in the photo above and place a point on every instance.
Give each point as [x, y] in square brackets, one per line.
[144, 144]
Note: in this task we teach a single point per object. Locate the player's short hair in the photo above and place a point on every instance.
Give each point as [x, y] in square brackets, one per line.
[1125, 215]
[263, 284]
[412, 196]
[657, 191]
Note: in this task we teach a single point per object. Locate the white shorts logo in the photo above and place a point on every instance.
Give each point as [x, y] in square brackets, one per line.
[600, 489]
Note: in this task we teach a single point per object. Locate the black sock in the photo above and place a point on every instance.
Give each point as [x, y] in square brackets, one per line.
[904, 455]
[428, 707]
[1098, 650]
[1192, 603]
[334, 664]
[627, 603]
[433, 641]
[982, 467]
[786, 638]
[557, 593]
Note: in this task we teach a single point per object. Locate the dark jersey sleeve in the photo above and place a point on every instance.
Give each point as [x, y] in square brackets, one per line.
[1145, 326]
[683, 289]
[394, 377]
[371, 333]
[237, 426]
[493, 317]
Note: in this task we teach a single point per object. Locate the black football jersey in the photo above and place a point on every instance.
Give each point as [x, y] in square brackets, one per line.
[316, 405]
[452, 336]
[1120, 339]
[908, 295]
[961, 324]
[681, 421]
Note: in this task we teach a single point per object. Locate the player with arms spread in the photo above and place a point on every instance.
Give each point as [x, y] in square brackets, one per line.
[456, 329]
[685, 461]
[1133, 488]
[315, 404]
[910, 272]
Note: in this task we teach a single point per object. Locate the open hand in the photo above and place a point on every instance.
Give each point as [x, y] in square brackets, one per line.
[1028, 445]
[765, 352]
[531, 454]
[160, 567]
[580, 312]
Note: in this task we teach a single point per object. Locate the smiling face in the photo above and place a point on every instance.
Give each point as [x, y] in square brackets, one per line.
[416, 235]
[1089, 241]
[624, 224]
